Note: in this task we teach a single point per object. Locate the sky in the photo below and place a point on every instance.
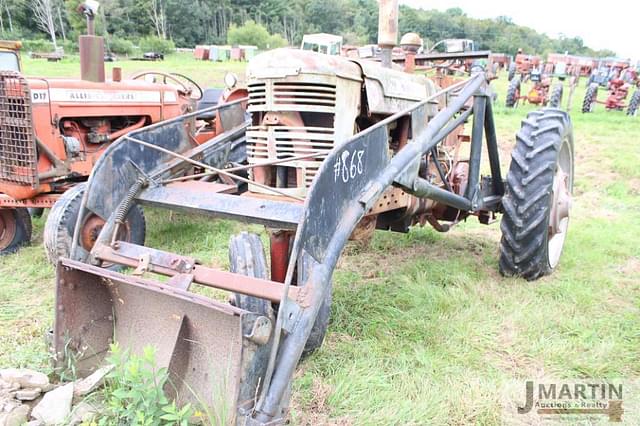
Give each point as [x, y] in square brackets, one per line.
[601, 25]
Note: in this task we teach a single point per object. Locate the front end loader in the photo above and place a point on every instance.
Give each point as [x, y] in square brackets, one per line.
[336, 148]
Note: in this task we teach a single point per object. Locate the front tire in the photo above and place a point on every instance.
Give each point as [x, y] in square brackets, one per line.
[513, 93]
[15, 229]
[512, 71]
[590, 96]
[555, 99]
[61, 224]
[538, 196]
[246, 257]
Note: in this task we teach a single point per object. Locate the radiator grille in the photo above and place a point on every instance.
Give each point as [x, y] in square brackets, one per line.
[18, 157]
[292, 96]
[266, 143]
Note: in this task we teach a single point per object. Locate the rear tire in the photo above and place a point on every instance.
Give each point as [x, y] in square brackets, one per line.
[590, 96]
[247, 257]
[15, 229]
[538, 195]
[555, 101]
[513, 93]
[61, 224]
[634, 104]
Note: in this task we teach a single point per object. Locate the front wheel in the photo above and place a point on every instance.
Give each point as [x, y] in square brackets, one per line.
[590, 96]
[15, 229]
[513, 93]
[555, 100]
[538, 196]
[246, 257]
[61, 224]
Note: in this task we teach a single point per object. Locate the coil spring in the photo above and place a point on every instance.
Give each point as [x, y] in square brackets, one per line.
[125, 205]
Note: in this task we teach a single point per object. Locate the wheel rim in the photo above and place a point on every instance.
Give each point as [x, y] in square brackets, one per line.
[8, 228]
[560, 205]
[93, 226]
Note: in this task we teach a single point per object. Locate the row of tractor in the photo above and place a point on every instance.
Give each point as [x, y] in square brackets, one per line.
[618, 77]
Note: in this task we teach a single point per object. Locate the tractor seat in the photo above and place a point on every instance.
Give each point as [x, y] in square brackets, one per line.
[210, 97]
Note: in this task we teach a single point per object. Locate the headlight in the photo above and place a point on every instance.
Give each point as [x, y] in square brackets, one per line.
[230, 80]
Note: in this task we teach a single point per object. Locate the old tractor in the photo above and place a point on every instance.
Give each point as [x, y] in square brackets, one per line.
[618, 87]
[336, 147]
[53, 131]
[523, 65]
[539, 94]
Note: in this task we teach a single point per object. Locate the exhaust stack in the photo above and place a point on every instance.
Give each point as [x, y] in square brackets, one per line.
[387, 29]
[91, 46]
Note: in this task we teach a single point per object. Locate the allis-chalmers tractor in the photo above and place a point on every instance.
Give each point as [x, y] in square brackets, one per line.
[52, 132]
[336, 147]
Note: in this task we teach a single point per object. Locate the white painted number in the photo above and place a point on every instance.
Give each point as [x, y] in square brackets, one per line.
[348, 165]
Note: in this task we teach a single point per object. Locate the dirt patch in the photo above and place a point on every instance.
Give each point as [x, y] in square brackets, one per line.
[315, 411]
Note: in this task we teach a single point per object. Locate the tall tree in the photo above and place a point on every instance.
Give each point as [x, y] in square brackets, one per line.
[43, 14]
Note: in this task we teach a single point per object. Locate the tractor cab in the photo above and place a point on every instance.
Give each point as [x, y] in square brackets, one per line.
[328, 44]
[9, 57]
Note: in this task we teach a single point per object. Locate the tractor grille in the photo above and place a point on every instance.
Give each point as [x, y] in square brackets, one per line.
[266, 143]
[18, 157]
[292, 96]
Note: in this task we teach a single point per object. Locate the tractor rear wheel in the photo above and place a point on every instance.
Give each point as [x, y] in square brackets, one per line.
[61, 224]
[538, 197]
[15, 229]
[512, 71]
[246, 257]
[590, 96]
[555, 100]
[513, 93]
[634, 104]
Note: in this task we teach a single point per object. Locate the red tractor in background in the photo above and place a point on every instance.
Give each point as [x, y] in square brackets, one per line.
[523, 65]
[539, 93]
[619, 84]
[52, 132]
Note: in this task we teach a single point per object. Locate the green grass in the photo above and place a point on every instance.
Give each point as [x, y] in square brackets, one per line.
[424, 330]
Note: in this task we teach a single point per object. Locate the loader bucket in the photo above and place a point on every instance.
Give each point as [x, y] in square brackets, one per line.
[216, 354]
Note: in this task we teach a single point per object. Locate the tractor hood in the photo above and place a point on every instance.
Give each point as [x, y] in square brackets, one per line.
[281, 63]
[388, 90]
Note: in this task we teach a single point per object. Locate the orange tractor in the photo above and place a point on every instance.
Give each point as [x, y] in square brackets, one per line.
[523, 65]
[540, 92]
[52, 132]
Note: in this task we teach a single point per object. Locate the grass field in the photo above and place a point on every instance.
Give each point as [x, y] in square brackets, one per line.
[424, 330]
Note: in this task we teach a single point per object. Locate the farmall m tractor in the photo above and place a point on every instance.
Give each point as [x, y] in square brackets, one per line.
[337, 147]
[52, 132]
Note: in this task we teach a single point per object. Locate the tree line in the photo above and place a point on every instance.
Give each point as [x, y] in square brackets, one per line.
[209, 21]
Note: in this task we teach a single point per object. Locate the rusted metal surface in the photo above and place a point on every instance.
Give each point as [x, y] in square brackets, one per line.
[18, 156]
[187, 198]
[92, 58]
[169, 264]
[207, 365]
[280, 243]
[44, 201]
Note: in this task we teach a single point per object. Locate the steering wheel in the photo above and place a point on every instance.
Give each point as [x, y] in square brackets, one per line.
[187, 87]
